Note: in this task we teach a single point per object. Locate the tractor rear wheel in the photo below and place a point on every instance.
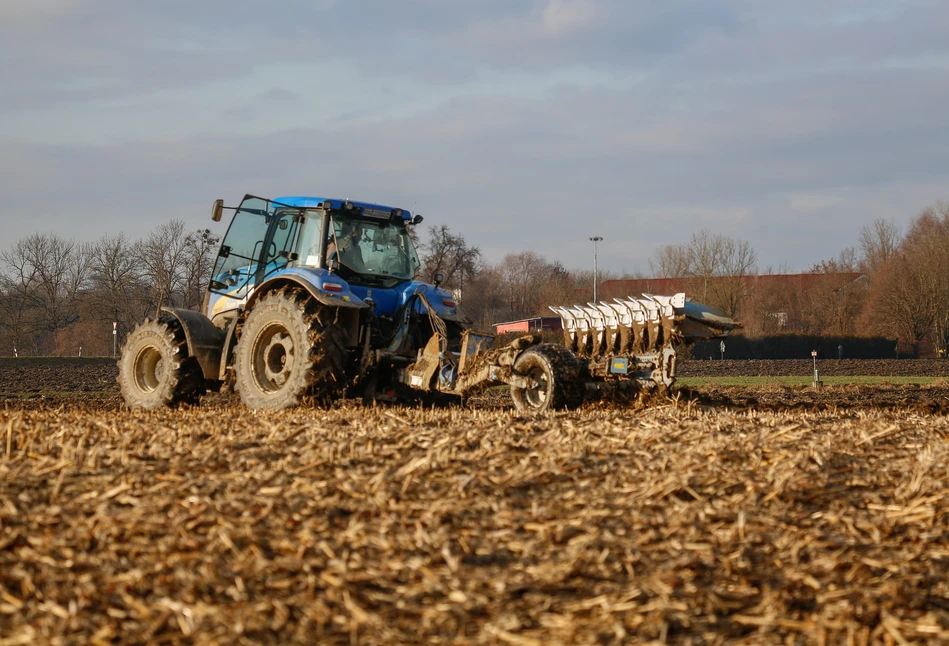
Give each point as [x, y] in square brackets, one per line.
[555, 371]
[289, 352]
[155, 368]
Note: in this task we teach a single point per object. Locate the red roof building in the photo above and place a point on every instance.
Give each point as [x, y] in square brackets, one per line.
[536, 324]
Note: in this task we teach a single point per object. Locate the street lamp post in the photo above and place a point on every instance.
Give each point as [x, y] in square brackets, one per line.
[594, 239]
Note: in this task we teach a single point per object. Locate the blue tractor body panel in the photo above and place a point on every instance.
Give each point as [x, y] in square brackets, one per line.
[389, 301]
[315, 279]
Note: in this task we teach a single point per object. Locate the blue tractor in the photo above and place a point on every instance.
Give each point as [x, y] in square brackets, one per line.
[313, 298]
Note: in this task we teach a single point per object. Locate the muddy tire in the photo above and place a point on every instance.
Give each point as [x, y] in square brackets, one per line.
[556, 371]
[155, 368]
[289, 353]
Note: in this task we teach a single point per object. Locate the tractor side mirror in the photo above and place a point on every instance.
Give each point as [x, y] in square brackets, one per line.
[217, 210]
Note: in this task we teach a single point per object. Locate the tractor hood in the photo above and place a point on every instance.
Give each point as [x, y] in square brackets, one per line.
[389, 301]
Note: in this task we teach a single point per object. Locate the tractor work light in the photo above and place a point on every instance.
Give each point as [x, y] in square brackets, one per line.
[348, 206]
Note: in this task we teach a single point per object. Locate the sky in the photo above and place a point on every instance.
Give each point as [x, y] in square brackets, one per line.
[519, 124]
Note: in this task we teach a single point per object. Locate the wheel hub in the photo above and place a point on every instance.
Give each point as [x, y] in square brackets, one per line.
[275, 360]
[148, 369]
[538, 394]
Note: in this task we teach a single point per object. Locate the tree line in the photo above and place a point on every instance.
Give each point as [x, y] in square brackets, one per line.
[57, 294]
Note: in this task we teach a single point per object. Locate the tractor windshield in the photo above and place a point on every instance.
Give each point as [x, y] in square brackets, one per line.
[376, 251]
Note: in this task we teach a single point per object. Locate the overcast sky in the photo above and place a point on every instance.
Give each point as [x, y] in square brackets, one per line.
[521, 124]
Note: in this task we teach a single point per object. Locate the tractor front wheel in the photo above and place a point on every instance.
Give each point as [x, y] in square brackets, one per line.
[155, 368]
[287, 354]
[555, 372]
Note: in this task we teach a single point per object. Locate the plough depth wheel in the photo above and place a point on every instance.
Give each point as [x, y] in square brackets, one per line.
[555, 371]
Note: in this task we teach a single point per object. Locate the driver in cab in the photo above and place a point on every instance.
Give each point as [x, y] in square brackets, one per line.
[345, 247]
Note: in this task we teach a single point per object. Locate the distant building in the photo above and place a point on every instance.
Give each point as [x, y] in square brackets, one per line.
[536, 324]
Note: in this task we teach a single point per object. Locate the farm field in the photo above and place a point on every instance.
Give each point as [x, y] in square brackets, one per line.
[757, 515]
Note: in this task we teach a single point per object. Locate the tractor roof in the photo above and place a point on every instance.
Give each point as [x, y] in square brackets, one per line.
[303, 201]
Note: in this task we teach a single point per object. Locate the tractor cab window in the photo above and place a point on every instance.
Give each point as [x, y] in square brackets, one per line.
[257, 243]
[281, 243]
[376, 251]
[309, 247]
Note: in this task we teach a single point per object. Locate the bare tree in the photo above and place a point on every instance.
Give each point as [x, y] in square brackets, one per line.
[450, 254]
[736, 261]
[164, 255]
[878, 241]
[900, 303]
[670, 261]
[44, 275]
[526, 282]
[927, 247]
[20, 284]
[118, 288]
[910, 291]
[714, 265]
[832, 302]
[200, 248]
[58, 268]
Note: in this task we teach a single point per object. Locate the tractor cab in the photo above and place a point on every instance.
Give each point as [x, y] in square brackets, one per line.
[366, 245]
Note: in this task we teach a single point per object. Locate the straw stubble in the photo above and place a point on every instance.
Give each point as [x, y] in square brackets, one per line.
[680, 524]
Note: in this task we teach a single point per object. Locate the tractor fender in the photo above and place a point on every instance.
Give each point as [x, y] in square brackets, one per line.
[230, 340]
[438, 300]
[313, 281]
[205, 340]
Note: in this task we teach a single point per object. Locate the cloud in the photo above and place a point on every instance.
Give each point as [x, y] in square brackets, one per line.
[561, 16]
[29, 13]
[519, 124]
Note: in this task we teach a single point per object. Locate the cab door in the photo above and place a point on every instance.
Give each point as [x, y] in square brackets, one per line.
[258, 242]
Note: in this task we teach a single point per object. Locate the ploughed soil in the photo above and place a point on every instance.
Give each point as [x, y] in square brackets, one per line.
[805, 368]
[32, 382]
[59, 379]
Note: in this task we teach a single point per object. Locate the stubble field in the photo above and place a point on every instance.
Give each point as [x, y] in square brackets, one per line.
[763, 515]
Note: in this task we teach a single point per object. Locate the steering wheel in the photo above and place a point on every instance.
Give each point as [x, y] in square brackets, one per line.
[396, 264]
